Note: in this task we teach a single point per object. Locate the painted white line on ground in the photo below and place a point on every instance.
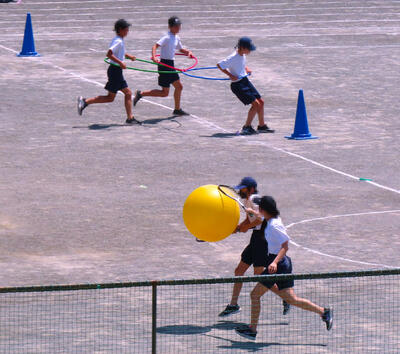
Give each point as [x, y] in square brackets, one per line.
[206, 24]
[176, 5]
[9, 49]
[78, 35]
[206, 123]
[334, 217]
[287, 9]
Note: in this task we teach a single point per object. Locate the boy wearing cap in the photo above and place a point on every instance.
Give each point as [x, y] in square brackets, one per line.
[116, 53]
[235, 67]
[256, 251]
[168, 44]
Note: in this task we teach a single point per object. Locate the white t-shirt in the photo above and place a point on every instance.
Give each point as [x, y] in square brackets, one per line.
[249, 203]
[168, 45]
[235, 64]
[117, 46]
[276, 235]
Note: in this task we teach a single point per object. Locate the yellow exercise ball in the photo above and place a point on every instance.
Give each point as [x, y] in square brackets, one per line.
[209, 214]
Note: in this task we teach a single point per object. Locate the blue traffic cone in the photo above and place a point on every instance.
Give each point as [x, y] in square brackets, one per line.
[28, 46]
[301, 131]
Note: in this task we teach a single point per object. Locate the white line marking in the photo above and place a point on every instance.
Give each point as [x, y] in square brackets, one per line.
[334, 217]
[287, 9]
[206, 24]
[206, 123]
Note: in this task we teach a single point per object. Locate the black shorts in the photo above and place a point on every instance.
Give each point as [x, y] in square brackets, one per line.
[256, 252]
[116, 80]
[284, 267]
[245, 91]
[164, 80]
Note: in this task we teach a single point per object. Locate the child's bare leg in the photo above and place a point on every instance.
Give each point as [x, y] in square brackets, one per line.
[128, 102]
[252, 112]
[260, 112]
[156, 92]
[177, 94]
[101, 99]
[255, 296]
[291, 298]
[237, 287]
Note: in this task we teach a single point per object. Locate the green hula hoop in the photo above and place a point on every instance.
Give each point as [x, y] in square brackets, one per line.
[144, 70]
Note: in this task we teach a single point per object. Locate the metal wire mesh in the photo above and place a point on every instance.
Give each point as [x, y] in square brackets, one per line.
[181, 316]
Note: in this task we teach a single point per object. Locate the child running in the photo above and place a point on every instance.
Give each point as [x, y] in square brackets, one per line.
[256, 252]
[235, 67]
[116, 54]
[278, 262]
[168, 44]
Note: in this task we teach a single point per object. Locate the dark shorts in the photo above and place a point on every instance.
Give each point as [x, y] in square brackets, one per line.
[284, 267]
[245, 91]
[116, 80]
[164, 80]
[256, 252]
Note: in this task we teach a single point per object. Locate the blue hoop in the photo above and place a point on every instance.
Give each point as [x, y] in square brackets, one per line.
[206, 77]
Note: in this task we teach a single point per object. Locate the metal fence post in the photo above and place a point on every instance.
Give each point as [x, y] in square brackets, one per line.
[154, 318]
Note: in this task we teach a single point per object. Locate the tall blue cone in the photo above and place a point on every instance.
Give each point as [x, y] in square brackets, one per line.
[301, 131]
[28, 46]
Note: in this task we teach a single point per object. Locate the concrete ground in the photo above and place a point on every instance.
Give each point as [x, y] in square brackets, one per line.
[89, 199]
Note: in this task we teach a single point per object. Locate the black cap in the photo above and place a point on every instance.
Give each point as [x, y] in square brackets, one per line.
[247, 43]
[174, 21]
[268, 204]
[121, 24]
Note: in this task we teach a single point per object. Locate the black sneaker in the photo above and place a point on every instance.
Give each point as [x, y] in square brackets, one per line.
[230, 310]
[179, 112]
[81, 105]
[327, 317]
[248, 130]
[246, 332]
[138, 96]
[265, 129]
[133, 121]
[286, 307]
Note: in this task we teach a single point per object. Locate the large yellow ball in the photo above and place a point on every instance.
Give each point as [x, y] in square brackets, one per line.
[209, 214]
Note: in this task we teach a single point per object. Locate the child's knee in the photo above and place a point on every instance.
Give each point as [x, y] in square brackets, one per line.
[254, 295]
[179, 86]
[239, 272]
[128, 92]
[261, 102]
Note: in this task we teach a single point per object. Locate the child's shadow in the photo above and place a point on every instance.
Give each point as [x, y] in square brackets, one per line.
[148, 123]
[228, 325]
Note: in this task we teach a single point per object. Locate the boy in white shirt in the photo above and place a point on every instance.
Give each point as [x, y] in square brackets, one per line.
[235, 67]
[168, 44]
[116, 53]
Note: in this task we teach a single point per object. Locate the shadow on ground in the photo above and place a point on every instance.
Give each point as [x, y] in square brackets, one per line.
[229, 326]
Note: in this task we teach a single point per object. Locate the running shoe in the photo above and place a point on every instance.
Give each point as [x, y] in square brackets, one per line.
[230, 310]
[138, 96]
[248, 130]
[264, 129]
[286, 307]
[246, 332]
[81, 105]
[179, 112]
[133, 121]
[327, 317]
